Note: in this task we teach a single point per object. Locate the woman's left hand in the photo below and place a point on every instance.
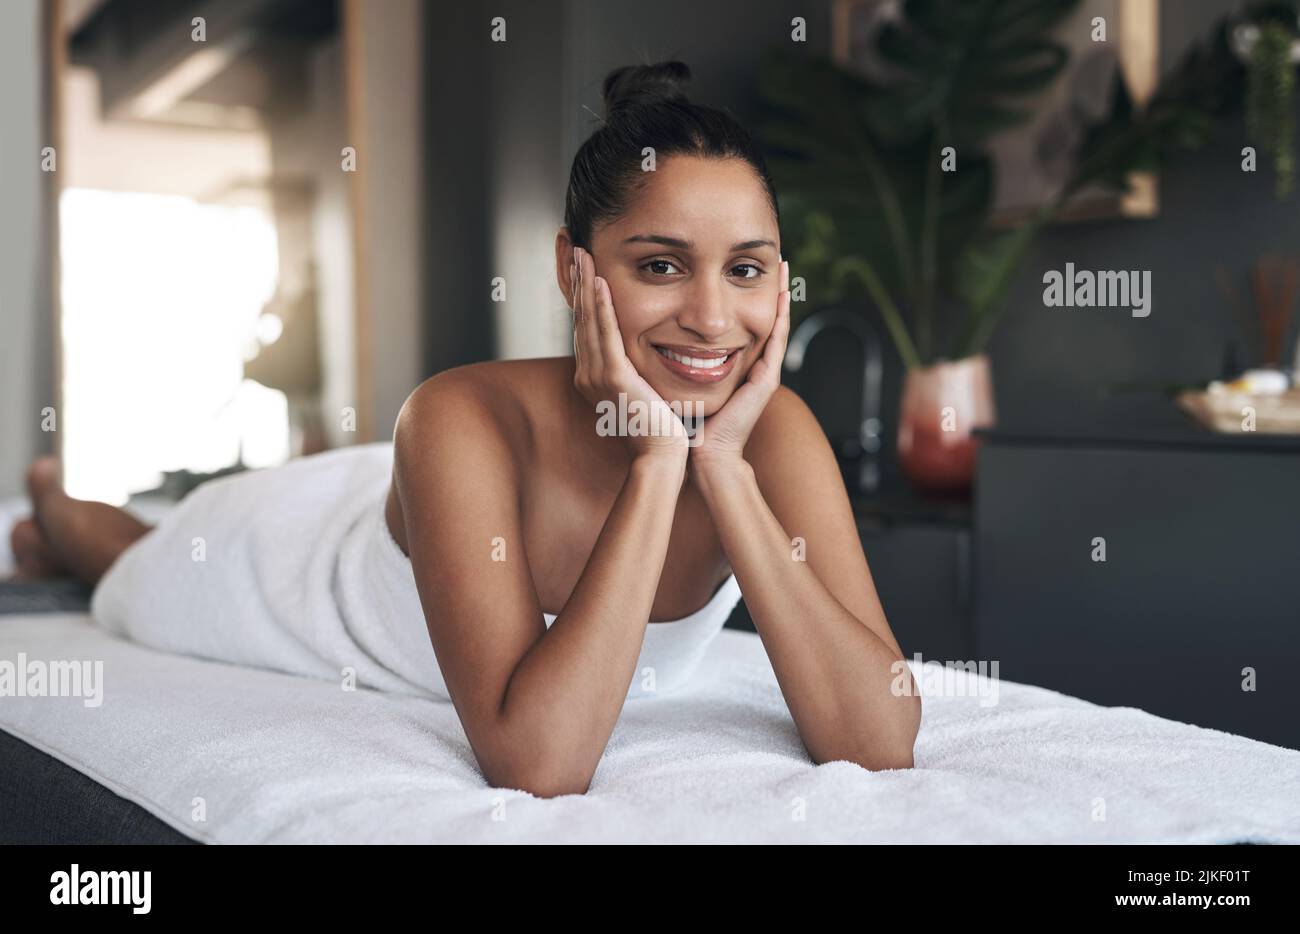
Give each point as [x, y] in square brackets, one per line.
[725, 432]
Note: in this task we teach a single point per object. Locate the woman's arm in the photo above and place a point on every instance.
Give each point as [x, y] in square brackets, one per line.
[768, 476]
[538, 705]
[568, 690]
[813, 603]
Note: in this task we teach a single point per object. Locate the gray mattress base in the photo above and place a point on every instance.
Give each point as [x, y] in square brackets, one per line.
[45, 801]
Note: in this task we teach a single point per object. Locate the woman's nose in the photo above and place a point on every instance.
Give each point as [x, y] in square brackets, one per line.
[704, 311]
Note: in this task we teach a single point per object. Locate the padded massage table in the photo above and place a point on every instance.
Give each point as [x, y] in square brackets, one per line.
[183, 749]
[187, 750]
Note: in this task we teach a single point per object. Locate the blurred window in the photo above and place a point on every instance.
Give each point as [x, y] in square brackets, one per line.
[161, 300]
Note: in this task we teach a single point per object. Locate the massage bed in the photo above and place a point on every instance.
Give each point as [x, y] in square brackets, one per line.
[187, 750]
[183, 749]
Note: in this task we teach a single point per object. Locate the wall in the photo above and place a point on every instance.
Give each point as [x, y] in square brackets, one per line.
[119, 155]
[458, 111]
[527, 170]
[305, 147]
[721, 42]
[494, 172]
[26, 341]
[390, 143]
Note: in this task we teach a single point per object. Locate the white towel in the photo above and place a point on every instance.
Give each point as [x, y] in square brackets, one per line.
[276, 758]
[293, 568]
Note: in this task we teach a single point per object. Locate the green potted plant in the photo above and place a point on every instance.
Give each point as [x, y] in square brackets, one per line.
[1267, 40]
[870, 211]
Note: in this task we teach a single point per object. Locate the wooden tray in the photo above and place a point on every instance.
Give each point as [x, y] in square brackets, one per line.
[1222, 411]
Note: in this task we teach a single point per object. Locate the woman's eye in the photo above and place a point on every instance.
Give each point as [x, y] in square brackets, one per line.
[753, 271]
[660, 267]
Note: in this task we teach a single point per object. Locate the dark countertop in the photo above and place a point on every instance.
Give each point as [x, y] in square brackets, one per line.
[1146, 420]
[1130, 423]
[898, 503]
[1187, 434]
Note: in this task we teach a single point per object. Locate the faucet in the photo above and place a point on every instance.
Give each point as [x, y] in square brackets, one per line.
[865, 448]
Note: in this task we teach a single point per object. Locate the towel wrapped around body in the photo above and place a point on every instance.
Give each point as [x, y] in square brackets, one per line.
[293, 568]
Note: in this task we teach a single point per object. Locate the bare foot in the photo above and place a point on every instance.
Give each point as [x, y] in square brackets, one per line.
[33, 557]
[82, 536]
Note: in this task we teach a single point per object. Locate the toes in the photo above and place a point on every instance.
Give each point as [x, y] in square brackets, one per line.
[22, 536]
[44, 475]
[44, 482]
[32, 554]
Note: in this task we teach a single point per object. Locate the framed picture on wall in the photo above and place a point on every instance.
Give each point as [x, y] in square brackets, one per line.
[1107, 40]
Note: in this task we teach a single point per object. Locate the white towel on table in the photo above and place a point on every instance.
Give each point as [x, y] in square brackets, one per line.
[283, 759]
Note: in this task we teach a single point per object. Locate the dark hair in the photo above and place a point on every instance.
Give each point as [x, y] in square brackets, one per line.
[645, 105]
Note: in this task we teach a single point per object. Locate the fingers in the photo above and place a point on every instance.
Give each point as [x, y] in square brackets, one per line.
[611, 338]
[586, 336]
[774, 352]
[782, 325]
[575, 304]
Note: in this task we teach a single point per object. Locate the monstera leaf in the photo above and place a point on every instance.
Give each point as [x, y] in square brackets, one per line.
[868, 155]
[971, 67]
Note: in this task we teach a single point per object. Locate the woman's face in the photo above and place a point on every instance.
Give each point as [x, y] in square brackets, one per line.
[693, 266]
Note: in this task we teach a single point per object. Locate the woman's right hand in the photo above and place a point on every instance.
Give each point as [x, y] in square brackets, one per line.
[603, 371]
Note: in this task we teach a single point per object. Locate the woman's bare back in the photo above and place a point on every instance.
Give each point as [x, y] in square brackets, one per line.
[569, 486]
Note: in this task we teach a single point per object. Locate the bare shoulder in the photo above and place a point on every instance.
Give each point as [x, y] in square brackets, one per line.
[494, 400]
[465, 397]
[457, 423]
[477, 422]
[786, 435]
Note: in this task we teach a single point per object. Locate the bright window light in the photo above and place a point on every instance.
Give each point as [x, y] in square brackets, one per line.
[161, 298]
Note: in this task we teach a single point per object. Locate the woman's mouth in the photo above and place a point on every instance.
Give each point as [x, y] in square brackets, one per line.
[698, 364]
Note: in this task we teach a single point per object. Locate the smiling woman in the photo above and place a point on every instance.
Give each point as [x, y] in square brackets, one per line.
[694, 227]
[538, 570]
[670, 259]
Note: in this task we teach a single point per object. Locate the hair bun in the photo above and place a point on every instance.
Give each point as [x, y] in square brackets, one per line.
[645, 84]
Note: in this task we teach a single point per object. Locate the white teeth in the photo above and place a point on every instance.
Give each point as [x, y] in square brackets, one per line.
[699, 363]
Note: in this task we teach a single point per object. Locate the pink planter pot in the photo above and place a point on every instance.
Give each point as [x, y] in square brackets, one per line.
[941, 406]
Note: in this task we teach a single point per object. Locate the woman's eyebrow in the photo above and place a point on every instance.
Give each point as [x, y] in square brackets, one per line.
[680, 244]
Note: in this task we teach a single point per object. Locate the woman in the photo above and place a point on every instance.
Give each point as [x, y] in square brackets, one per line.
[545, 540]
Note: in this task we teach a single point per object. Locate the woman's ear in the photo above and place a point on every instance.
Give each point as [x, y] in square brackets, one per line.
[564, 265]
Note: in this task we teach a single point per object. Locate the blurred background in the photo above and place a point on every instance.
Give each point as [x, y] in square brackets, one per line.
[233, 233]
